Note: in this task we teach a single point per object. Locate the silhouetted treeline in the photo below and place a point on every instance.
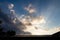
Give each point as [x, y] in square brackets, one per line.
[6, 34]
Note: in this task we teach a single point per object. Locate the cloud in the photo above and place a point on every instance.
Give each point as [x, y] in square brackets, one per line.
[12, 13]
[38, 20]
[14, 21]
[34, 30]
[40, 31]
[31, 22]
[30, 9]
[54, 30]
[10, 6]
[25, 20]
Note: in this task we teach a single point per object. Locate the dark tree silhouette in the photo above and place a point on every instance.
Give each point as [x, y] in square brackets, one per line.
[6, 34]
[2, 34]
[1, 29]
[11, 33]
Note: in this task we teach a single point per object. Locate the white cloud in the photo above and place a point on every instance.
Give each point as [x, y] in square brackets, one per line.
[40, 31]
[34, 30]
[14, 21]
[12, 13]
[38, 20]
[33, 21]
[54, 30]
[30, 9]
[13, 16]
[10, 6]
[25, 19]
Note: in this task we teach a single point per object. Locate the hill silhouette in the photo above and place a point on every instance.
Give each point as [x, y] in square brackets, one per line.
[56, 34]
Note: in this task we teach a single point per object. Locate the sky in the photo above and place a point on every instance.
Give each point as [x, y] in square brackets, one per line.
[44, 14]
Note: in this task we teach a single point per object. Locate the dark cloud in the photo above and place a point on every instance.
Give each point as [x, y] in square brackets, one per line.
[9, 25]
